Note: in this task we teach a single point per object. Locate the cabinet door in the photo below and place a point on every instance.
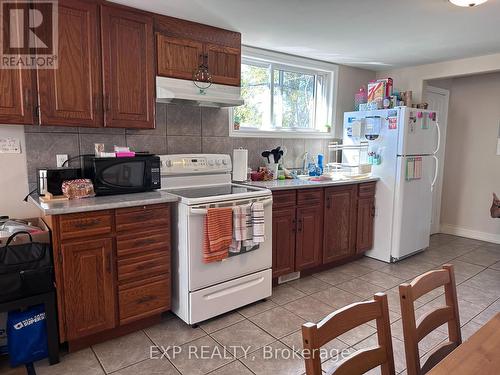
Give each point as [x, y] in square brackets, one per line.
[283, 241]
[17, 96]
[178, 58]
[128, 68]
[71, 95]
[309, 241]
[366, 213]
[224, 63]
[340, 222]
[89, 290]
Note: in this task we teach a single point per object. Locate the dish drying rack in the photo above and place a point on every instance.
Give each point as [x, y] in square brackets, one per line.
[356, 167]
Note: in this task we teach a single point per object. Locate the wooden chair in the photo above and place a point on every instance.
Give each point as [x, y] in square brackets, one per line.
[414, 333]
[314, 336]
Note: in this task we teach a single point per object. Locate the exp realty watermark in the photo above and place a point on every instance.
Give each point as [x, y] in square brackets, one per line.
[202, 352]
[29, 34]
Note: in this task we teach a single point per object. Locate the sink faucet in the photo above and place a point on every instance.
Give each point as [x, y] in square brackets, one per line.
[305, 159]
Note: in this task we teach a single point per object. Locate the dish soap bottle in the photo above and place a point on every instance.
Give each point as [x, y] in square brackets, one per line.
[320, 164]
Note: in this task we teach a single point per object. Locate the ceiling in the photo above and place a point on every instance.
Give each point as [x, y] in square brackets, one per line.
[376, 35]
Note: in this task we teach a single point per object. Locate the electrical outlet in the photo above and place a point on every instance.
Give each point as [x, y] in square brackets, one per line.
[61, 159]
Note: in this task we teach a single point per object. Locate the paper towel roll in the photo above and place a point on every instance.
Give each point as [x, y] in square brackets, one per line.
[240, 164]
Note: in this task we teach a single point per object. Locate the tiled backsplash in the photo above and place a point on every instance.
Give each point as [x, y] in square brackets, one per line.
[179, 129]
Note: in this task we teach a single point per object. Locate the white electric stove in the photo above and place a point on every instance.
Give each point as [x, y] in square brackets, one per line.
[201, 291]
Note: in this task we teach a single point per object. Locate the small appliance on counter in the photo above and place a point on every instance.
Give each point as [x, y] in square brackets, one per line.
[50, 180]
[122, 175]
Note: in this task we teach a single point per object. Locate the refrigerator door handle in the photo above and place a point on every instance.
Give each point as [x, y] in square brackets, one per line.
[438, 138]
[435, 173]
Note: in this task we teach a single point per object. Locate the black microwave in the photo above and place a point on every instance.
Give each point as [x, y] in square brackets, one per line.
[122, 175]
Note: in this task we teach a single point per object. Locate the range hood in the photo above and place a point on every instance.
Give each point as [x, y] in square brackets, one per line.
[172, 90]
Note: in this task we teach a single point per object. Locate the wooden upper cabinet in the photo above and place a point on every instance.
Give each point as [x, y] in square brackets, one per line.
[71, 95]
[182, 44]
[89, 290]
[17, 100]
[178, 58]
[224, 63]
[128, 68]
[340, 222]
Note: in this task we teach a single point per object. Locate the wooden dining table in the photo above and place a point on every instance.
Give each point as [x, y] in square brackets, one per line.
[480, 354]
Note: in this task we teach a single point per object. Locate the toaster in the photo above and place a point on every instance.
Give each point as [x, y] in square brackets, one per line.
[50, 180]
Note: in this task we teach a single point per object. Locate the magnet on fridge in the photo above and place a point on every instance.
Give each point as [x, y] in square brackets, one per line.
[432, 116]
[393, 123]
[410, 169]
[425, 123]
[418, 168]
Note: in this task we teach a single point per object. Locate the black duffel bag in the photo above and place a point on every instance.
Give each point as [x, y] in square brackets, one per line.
[25, 270]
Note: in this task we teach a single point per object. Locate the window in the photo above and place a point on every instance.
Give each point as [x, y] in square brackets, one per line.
[284, 94]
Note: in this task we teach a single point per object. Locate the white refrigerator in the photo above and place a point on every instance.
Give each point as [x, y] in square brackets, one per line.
[406, 141]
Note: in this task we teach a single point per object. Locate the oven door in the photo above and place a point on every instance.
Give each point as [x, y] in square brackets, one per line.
[202, 275]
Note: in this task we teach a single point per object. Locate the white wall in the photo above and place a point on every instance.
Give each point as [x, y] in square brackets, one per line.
[350, 80]
[472, 168]
[413, 78]
[14, 178]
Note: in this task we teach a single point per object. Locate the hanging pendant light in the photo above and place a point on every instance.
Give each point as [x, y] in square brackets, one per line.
[201, 76]
[467, 3]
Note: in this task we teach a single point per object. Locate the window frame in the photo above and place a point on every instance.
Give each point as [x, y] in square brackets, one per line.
[282, 61]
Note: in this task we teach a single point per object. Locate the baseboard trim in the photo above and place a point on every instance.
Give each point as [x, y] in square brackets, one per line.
[470, 233]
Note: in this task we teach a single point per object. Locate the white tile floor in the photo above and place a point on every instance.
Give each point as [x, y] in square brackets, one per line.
[274, 325]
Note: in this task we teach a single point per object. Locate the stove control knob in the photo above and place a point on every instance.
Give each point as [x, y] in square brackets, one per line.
[218, 161]
[210, 162]
[168, 163]
[224, 162]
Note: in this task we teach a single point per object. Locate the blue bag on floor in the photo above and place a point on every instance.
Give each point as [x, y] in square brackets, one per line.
[27, 336]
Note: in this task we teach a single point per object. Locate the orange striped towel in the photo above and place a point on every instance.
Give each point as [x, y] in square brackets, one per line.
[218, 234]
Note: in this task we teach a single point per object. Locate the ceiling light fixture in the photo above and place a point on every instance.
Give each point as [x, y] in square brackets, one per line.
[467, 3]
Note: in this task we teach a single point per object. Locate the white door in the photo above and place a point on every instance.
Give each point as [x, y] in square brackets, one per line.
[438, 100]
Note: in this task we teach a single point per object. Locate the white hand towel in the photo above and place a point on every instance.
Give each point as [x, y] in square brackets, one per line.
[258, 222]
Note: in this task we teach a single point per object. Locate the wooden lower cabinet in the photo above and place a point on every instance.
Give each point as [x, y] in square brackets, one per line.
[321, 226]
[309, 239]
[364, 230]
[283, 241]
[89, 290]
[110, 271]
[340, 222]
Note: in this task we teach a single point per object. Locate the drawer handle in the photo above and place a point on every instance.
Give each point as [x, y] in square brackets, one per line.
[146, 299]
[146, 241]
[87, 223]
[144, 266]
[143, 216]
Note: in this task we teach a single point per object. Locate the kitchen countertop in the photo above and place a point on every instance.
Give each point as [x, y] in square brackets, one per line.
[275, 185]
[102, 202]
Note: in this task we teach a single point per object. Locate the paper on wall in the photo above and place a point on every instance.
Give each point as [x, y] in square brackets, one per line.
[10, 146]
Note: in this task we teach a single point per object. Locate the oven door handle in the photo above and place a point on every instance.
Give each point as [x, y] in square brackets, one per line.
[203, 211]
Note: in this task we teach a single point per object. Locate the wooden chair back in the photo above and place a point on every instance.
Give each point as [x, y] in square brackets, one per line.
[314, 336]
[414, 332]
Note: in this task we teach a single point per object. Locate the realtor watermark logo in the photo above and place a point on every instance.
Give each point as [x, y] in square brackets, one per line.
[29, 34]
